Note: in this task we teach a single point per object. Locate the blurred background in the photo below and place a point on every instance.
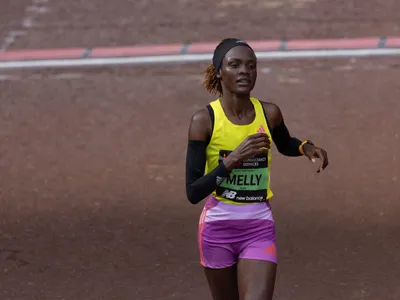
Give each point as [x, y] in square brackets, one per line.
[92, 192]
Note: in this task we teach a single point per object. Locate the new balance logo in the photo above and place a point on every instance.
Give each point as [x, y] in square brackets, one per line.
[228, 194]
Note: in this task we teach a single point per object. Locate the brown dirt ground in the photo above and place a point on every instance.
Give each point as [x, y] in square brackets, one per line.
[11, 14]
[93, 208]
[97, 23]
[92, 193]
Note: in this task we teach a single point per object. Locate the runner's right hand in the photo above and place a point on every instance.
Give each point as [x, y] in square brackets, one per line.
[255, 144]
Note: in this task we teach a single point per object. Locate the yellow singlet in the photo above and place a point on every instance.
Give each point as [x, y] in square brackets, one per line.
[250, 181]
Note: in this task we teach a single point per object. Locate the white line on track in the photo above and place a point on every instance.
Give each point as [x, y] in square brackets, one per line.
[60, 76]
[192, 58]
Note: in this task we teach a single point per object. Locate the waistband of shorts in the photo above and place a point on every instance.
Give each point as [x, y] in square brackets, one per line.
[234, 208]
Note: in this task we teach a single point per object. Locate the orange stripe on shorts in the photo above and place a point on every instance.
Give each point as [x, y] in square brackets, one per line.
[200, 239]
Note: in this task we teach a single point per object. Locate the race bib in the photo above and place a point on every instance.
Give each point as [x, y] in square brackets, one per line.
[247, 182]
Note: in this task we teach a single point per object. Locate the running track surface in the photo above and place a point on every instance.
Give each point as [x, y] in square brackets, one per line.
[87, 211]
[34, 24]
[93, 203]
[198, 48]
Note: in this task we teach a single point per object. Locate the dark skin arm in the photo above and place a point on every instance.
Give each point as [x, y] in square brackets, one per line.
[200, 126]
[275, 118]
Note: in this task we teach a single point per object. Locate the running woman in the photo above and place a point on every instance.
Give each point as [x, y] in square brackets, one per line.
[228, 162]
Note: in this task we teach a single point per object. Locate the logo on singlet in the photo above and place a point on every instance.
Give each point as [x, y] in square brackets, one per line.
[261, 129]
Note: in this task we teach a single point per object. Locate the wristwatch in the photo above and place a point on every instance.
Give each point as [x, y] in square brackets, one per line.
[304, 143]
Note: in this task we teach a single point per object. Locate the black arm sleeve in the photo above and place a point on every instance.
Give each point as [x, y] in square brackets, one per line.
[286, 144]
[198, 185]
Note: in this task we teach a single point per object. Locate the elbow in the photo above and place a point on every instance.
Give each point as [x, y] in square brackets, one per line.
[194, 200]
[192, 196]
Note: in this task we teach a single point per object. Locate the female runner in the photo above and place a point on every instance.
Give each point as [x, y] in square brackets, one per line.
[228, 162]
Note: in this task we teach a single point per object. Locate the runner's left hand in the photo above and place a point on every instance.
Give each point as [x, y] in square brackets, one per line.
[313, 152]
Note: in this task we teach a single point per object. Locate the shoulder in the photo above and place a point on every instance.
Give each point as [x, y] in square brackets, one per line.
[273, 113]
[202, 117]
[200, 125]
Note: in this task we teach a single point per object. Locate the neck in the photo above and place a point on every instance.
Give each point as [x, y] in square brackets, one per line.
[236, 105]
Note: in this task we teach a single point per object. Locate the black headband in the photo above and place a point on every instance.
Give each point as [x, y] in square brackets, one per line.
[223, 48]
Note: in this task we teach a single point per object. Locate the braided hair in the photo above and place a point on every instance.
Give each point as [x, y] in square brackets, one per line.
[211, 82]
